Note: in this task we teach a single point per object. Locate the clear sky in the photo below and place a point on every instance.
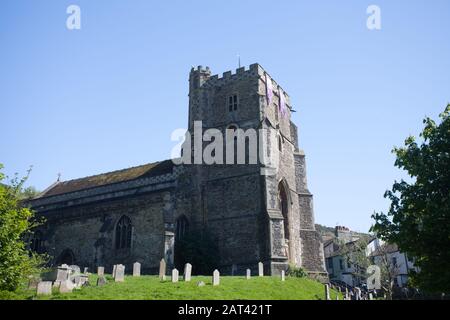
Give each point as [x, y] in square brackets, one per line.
[108, 96]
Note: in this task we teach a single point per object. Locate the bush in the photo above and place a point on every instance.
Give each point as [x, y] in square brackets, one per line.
[199, 249]
[296, 272]
[16, 223]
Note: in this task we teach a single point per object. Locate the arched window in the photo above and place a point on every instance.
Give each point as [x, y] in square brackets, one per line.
[123, 233]
[284, 207]
[181, 227]
[66, 257]
[36, 243]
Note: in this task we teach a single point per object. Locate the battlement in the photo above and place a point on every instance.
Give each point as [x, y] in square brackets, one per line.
[255, 70]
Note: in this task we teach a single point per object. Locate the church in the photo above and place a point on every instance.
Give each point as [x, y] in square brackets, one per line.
[140, 213]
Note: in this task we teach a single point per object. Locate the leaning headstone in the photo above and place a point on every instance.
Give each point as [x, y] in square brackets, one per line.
[75, 269]
[120, 273]
[327, 292]
[101, 271]
[66, 286]
[101, 281]
[200, 284]
[249, 274]
[136, 269]
[187, 272]
[44, 288]
[260, 269]
[283, 275]
[162, 270]
[86, 270]
[216, 278]
[114, 271]
[175, 274]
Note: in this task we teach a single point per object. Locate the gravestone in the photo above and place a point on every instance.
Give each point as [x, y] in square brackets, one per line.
[81, 280]
[327, 292]
[283, 275]
[337, 296]
[187, 272]
[162, 270]
[260, 269]
[136, 269]
[114, 271]
[85, 270]
[101, 271]
[249, 274]
[66, 286]
[358, 293]
[233, 269]
[200, 284]
[75, 268]
[101, 281]
[120, 273]
[174, 275]
[216, 278]
[62, 274]
[370, 296]
[346, 294]
[44, 288]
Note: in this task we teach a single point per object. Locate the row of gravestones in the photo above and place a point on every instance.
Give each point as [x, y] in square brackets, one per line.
[215, 277]
[69, 277]
[348, 295]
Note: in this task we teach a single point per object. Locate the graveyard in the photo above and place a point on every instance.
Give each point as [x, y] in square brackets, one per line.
[151, 287]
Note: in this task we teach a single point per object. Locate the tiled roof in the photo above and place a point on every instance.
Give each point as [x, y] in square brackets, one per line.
[143, 171]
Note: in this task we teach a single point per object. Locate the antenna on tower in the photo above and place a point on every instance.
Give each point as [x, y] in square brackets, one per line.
[59, 177]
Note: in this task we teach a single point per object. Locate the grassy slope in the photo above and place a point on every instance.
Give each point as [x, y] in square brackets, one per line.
[230, 288]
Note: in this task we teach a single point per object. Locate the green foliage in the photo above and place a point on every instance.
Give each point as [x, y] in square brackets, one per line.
[296, 272]
[16, 223]
[200, 250]
[419, 216]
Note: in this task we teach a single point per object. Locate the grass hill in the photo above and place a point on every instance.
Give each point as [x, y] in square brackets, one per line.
[230, 288]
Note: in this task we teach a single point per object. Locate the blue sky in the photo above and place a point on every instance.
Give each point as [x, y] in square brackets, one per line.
[109, 95]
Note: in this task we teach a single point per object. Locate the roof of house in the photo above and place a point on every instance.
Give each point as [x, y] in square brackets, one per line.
[385, 248]
[143, 171]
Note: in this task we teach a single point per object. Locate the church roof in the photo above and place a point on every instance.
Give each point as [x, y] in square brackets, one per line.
[143, 171]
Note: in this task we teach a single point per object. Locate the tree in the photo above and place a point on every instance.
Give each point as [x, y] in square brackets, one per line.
[419, 215]
[16, 224]
[356, 254]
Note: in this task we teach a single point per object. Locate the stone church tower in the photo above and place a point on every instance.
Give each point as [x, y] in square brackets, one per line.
[252, 213]
[254, 216]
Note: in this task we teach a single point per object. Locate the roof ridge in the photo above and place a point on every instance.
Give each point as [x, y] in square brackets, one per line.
[114, 171]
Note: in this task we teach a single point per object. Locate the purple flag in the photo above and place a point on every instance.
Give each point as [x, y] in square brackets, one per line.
[283, 110]
[269, 90]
